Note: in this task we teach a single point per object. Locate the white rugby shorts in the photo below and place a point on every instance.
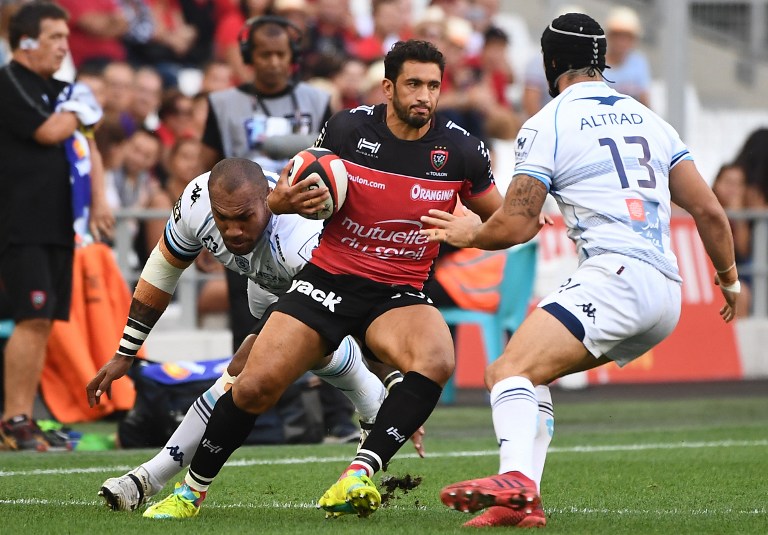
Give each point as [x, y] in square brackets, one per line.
[259, 299]
[617, 306]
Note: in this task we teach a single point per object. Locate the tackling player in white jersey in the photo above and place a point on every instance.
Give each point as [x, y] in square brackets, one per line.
[613, 166]
[224, 211]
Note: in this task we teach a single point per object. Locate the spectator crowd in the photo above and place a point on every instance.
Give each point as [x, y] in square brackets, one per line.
[153, 63]
[137, 56]
[153, 66]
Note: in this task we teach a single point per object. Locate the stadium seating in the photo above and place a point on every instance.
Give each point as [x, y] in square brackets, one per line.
[516, 290]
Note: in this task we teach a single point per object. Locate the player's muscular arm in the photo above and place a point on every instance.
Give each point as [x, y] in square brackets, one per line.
[519, 218]
[486, 205]
[157, 282]
[525, 197]
[156, 285]
[691, 192]
[150, 299]
[517, 221]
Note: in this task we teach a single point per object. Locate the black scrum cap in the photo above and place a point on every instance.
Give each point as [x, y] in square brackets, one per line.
[572, 41]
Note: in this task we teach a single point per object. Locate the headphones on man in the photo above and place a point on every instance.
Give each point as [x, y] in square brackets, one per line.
[29, 43]
[251, 25]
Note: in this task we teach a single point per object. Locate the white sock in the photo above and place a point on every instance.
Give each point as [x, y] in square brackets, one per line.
[348, 373]
[514, 408]
[181, 447]
[545, 428]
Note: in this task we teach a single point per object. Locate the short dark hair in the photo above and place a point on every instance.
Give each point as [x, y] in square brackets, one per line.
[411, 50]
[232, 173]
[495, 35]
[26, 21]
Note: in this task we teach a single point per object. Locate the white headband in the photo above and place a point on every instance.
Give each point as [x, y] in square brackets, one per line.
[576, 34]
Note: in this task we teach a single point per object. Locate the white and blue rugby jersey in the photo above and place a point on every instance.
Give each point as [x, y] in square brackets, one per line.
[283, 249]
[606, 159]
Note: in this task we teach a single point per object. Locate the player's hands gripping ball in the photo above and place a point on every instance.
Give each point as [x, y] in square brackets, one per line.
[325, 168]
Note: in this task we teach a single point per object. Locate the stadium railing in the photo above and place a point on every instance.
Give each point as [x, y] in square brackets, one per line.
[186, 292]
[187, 289]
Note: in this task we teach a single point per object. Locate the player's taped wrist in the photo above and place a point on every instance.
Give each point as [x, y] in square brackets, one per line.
[733, 288]
[726, 270]
[134, 334]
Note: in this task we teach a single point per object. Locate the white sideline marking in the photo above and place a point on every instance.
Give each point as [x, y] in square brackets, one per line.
[476, 453]
[210, 504]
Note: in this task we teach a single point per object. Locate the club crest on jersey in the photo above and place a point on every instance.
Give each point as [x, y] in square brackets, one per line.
[242, 263]
[438, 158]
[38, 299]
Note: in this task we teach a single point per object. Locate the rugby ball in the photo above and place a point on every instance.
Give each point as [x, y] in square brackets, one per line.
[330, 168]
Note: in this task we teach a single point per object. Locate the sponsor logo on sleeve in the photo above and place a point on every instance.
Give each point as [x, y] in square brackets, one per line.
[525, 139]
[370, 146]
[177, 210]
[196, 193]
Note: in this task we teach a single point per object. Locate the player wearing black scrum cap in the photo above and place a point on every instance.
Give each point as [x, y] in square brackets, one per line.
[572, 41]
[615, 168]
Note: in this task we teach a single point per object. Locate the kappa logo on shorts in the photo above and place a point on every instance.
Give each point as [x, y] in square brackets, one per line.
[589, 310]
[329, 300]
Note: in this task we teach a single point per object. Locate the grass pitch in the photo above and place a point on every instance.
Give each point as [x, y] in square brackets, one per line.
[693, 466]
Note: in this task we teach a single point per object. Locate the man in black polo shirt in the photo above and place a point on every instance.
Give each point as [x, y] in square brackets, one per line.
[36, 214]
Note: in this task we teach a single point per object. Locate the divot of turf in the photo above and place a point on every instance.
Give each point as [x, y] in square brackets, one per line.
[390, 484]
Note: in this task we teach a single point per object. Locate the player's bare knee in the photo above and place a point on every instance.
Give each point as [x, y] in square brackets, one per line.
[240, 357]
[438, 366]
[254, 395]
[536, 372]
[500, 369]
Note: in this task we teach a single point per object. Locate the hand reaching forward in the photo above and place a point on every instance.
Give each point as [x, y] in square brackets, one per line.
[102, 382]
